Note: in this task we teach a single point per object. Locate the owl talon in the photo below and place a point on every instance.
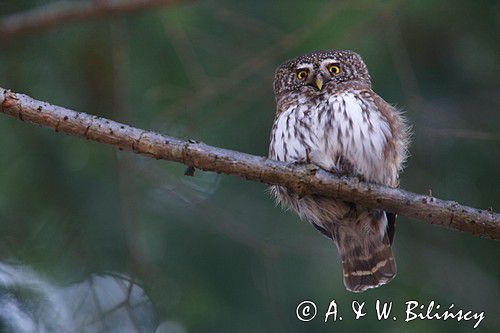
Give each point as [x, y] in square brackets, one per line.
[312, 168]
[338, 171]
[298, 163]
[335, 170]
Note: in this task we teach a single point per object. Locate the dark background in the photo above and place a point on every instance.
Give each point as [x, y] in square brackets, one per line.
[212, 253]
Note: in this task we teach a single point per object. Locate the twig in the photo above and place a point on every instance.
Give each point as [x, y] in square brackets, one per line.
[62, 12]
[298, 178]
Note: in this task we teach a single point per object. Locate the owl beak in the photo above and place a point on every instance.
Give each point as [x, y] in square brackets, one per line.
[319, 82]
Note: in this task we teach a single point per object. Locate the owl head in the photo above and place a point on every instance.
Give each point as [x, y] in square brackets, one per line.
[318, 71]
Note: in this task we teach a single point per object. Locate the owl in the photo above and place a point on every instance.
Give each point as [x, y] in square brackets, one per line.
[328, 115]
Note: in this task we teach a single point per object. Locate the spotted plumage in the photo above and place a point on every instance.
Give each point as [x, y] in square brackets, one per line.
[327, 114]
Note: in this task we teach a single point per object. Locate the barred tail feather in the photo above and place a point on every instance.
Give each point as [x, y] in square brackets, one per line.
[367, 263]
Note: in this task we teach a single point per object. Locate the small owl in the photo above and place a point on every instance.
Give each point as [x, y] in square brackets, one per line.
[328, 115]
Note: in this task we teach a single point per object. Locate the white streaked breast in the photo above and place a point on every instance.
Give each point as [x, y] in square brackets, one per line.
[340, 126]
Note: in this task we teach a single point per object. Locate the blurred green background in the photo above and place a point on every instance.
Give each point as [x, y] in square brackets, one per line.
[212, 252]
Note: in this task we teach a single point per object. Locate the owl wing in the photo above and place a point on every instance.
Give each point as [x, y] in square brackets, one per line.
[391, 226]
[326, 233]
[396, 150]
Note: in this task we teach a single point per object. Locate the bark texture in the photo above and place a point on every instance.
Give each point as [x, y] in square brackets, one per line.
[303, 179]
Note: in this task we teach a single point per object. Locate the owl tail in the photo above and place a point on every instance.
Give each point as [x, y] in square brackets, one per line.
[366, 259]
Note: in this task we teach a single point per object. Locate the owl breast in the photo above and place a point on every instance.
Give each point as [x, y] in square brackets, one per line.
[345, 131]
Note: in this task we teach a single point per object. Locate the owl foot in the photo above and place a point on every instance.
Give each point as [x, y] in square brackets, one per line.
[336, 171]
[312, 168]
[355, 179]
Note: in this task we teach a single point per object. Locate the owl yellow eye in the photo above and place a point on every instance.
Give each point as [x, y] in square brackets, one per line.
[334, 69]
[302, 74]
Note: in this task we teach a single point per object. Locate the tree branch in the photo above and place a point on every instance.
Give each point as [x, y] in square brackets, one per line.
[298, 178]
[57, 13]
